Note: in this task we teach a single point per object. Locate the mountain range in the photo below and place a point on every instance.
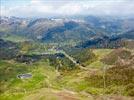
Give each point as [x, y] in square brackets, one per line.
[58, 30]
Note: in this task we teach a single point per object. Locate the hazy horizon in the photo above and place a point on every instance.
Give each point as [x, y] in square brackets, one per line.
[52, 8]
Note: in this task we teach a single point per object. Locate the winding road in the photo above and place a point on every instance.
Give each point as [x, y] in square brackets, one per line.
[68, 56]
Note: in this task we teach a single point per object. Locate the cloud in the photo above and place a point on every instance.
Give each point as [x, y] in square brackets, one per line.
[43, 8]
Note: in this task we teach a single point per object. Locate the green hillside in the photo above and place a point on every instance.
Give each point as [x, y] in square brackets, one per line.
[49, 83]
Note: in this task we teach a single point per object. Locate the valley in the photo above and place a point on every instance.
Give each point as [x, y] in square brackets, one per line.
[46, 59]
[57, 75]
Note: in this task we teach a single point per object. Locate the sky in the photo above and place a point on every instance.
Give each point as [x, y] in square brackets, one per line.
[49, 8]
